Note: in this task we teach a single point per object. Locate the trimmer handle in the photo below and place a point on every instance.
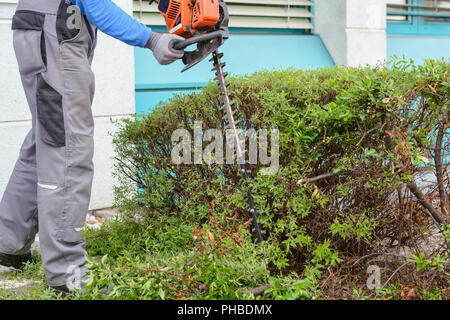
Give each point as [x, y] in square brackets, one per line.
[183, 44]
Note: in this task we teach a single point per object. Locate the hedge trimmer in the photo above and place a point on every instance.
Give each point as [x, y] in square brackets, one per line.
[205, 23]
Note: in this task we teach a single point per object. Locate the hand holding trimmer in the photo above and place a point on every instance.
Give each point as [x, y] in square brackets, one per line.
[205, 23]
[201, 22]
[162, 44]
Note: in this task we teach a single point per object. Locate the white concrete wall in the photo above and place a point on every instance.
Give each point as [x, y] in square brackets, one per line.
[354, 31]
[114, 69]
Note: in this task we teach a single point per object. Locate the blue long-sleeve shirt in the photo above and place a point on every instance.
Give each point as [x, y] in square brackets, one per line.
[113, 21]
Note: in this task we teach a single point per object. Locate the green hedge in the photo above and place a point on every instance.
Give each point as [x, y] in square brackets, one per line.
[368, 130]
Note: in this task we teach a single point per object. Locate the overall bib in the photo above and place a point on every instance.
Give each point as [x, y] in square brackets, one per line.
[50, 188]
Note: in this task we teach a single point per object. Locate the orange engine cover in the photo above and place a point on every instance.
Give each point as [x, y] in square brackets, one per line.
[184, 17]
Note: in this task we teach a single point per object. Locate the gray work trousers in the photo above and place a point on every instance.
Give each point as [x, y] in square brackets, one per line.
[50, 188]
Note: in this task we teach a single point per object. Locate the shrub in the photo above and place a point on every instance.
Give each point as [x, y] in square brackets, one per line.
[350, 142]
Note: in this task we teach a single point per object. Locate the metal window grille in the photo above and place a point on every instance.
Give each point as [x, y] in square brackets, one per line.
[430, 10]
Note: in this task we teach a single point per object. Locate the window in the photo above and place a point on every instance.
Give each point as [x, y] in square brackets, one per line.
[441, 9]
[395, 9]
[429, 10]
[249, 14]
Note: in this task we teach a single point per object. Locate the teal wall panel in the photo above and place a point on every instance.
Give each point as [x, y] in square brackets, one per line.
[418, 48]
[146, 100]
[418, 27]
[243, 54]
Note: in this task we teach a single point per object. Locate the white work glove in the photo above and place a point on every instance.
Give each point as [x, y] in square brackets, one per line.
[162, 46]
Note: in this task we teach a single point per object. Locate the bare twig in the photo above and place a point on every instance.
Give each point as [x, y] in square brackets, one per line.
[314, 179]
[366, 133]
[378, 254]
[395, 272]
[258, 290]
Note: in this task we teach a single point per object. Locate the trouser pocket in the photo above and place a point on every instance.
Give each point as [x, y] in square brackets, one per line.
[30, 48]
[29, 41]
[68, 22]
[50, 114]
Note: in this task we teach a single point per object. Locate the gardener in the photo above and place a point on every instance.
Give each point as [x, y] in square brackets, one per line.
[50, 187]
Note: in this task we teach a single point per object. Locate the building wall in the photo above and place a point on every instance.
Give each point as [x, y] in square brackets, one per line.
[354, 31]
[114, 70]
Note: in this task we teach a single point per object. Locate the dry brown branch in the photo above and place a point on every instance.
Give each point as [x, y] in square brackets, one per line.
[438, 162]
[437, 216]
